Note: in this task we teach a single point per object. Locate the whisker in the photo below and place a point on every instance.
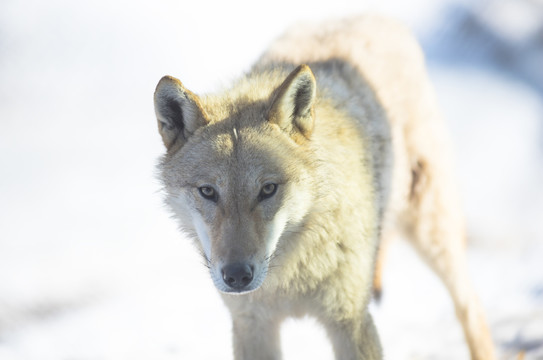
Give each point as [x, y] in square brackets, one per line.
[205, 261]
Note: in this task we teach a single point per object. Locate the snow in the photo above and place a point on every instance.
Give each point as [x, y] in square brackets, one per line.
[92, 266]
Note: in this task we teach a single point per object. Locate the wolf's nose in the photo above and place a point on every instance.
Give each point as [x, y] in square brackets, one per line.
[237, 275]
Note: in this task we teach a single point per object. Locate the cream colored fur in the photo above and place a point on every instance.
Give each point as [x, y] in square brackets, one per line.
[354, 149]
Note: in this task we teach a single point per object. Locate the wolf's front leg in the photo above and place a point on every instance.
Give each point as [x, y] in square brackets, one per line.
[256, 338]
[355, 339]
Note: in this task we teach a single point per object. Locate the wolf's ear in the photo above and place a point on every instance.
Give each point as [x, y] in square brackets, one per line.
[178, 111]
[292, 107]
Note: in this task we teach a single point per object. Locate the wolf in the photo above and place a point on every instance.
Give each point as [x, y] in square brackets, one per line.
[289, 181]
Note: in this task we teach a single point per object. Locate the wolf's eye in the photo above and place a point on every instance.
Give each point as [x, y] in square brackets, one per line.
[267, 191]
[208, 193]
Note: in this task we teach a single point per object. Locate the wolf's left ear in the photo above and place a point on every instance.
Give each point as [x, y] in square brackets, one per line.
[292, 107]
[178, 111]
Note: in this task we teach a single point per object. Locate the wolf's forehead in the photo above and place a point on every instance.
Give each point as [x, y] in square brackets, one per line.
[235, 151]
[232, 146]
[222, 145]
[223, 149]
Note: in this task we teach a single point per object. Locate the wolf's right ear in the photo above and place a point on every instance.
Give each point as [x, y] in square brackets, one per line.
[178, 111]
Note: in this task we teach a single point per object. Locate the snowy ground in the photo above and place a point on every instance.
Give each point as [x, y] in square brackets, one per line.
[91, 266]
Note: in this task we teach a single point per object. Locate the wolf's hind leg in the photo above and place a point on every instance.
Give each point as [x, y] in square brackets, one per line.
[387, 237]
[435, 226]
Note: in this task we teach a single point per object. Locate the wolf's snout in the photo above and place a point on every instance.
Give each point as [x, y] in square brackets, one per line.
[238, 275]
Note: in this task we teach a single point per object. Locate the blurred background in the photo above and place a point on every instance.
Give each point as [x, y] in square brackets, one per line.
[91, 265]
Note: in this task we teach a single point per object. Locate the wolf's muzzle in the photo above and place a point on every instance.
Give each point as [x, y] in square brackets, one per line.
[238, 276]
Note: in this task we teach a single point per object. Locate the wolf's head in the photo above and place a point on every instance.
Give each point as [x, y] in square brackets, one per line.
[236, 174]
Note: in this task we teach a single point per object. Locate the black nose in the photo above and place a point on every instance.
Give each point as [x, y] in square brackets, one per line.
[237, 275]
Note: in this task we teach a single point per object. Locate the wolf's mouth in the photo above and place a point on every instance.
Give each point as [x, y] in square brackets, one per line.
[239, 278]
